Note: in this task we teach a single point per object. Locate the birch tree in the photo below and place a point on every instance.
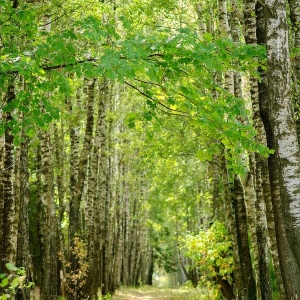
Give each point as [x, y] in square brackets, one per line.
[276, 107]
[8, 235]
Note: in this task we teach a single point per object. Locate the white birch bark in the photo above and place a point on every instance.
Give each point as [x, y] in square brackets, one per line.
[201, 20]
[230, 219]
[17, 195]
[8, 249]
[23, 254]
[78, 185]
[256, 164]
[116, 190]
[225, 31]
[288, 266]
[48, 221]
[250, 200]
[248, 284]
[267, 101]
[282, 120]
[74, 147]
[60, 179]
[2, 143]
[96, 195]
[294, 7]
[80, 173]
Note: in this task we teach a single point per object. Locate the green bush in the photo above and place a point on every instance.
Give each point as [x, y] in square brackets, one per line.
[11, 282]
[211, 251]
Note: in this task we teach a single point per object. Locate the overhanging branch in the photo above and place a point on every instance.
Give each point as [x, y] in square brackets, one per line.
[174, 111]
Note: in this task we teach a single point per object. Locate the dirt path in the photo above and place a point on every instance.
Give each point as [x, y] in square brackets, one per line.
[149, 293]
[132, 295]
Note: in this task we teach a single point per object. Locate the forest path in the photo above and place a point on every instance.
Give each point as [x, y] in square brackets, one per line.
[149, 293]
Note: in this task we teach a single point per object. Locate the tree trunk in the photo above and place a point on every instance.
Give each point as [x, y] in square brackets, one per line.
[288, 264]
[109, 206]
[201, 20]
[281, 117]
[77, 185]
[248, 282]
[8, 250]
[216, 199]
[96, 194]
[23, 255]
[2, 149]
[263, 280]
[282, 123]
[231, 225]
[262, 236]
[47, 222]
[294, 6]
[74, 215]
[225, 31]
[250, 202]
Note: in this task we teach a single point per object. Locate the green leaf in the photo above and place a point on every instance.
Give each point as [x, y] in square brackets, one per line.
[207, 37]
[4, 282]
[15, 282]
[203, 155]
[148, 115]
[11, 267]
[131, 119]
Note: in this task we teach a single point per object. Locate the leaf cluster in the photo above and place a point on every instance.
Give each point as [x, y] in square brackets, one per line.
[211, 251]
[74, 280]
[12, 281]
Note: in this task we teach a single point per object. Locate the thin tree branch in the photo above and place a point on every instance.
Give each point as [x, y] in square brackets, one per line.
[178, 112]
[49, 68]
[147, 82]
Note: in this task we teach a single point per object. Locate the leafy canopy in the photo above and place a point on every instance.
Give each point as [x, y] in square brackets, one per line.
[173, 68]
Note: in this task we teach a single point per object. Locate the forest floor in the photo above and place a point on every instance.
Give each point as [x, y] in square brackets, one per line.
[151, 293]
